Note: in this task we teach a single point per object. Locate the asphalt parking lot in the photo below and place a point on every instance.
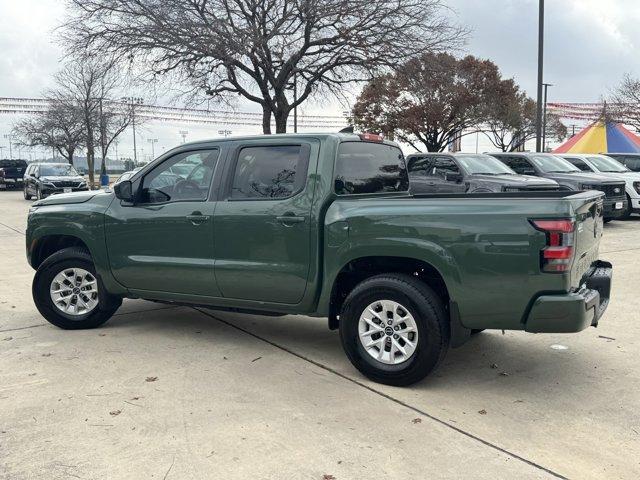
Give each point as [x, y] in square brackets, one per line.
[175, 392]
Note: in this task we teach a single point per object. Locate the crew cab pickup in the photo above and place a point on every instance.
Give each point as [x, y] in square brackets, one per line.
[468, 173]
[323, 225]
[569, 177]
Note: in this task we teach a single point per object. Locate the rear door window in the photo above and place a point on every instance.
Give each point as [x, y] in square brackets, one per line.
[269, 172]
[420, 166]
[366, 167]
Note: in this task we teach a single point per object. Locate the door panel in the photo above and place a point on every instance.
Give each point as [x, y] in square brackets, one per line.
[442, 166]
[165, 242]
[262, 231]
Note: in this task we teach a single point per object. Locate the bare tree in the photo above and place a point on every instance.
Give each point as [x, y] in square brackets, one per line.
[59, 127]
[90, 84]
[511, 120]
[261, 49]
[625, 104]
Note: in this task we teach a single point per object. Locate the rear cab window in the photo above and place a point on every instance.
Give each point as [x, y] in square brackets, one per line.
[368, 167]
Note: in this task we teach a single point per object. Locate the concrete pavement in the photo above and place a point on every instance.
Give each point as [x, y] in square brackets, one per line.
[175, 392]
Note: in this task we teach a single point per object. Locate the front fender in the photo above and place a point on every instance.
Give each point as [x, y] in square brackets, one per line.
[84, 221]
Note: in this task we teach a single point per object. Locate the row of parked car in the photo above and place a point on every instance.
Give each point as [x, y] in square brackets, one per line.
[430, 173]
[441, 173]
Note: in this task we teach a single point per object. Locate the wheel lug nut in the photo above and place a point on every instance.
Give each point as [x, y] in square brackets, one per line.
[395, 335]
[396, 327]
[389, 322]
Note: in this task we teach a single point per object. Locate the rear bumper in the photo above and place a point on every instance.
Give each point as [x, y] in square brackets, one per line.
[10, 182]
[609, 207]
[573, 312]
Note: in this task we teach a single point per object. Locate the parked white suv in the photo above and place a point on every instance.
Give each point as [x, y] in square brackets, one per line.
[610, 167]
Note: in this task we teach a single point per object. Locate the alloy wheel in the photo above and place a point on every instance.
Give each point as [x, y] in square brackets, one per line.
[388, 332]
[74, 291]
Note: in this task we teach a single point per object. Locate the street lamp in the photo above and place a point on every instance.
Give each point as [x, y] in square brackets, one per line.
[225, 132]
[544, 116]
[132, 102]
[152, 141]
[539, 146]
[9, 137]
[184, 134]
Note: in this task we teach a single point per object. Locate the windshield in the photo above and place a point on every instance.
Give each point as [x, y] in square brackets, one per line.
[57, 171]
[607, 164]
[552, 164]
[483, 164]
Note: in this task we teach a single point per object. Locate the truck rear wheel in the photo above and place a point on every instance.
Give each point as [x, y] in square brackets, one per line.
[68, 292]
[394, 329]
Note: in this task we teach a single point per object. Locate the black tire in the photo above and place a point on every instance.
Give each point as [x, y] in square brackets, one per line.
[428, 312]
[27, 196]
[607, 220]
[63, 259]
[475, 331]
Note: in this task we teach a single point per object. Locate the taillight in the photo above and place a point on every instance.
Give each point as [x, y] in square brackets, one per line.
[557, 255]
[371, 137]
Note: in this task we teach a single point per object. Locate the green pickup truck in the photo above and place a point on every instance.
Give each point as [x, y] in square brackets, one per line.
[323, 225]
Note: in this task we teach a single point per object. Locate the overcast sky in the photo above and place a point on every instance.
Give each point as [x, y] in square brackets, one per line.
[590, 44]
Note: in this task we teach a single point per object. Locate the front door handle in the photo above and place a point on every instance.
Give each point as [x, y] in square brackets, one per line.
[197, 218]
[290, 219]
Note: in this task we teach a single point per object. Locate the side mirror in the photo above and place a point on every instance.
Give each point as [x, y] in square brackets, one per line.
[124, 190]
[453, 177]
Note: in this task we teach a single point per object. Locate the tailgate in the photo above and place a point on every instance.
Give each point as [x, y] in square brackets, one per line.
[588, 231]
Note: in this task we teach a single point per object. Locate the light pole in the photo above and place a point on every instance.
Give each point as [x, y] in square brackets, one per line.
[8, 136]
[1, 148]
[539, 145]
[183, 134]
[152, 141]
[225, 132]
[133, 102]
[544, 116]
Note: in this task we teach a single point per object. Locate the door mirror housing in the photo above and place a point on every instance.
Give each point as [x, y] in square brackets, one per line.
[453, 177]
[124, 191]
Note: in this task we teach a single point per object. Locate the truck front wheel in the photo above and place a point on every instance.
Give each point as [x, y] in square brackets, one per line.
[394, 329]
[68, 292]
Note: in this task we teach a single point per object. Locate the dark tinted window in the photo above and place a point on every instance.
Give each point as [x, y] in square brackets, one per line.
[442, 166]
[419, 165]
[633, 163]
[364, 167]
[192, 184]
[12, 163]
[270, 172]
[581, 164]
[518, 164]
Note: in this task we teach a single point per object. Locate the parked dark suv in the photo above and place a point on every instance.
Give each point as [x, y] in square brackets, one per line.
[468, 173]
[569, 177]
[11, 173]
[629, 160]
[44, 179]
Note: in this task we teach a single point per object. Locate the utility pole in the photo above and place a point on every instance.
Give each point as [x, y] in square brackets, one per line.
[184, 134]
[1, 148]
[9, 137]
[152, 141]
[225, 132]
[132, 102]
[544, 117]
[539, 145]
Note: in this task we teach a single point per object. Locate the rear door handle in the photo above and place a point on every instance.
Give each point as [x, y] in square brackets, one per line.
[290, 219]
[197, 218]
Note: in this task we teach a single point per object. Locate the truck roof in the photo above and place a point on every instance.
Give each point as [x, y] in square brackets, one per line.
[338, 136]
